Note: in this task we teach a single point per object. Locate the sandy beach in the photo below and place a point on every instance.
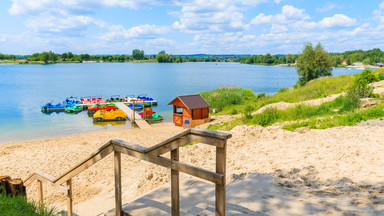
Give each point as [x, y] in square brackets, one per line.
[354, 155]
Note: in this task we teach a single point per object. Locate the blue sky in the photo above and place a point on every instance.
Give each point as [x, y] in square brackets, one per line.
[189, 26]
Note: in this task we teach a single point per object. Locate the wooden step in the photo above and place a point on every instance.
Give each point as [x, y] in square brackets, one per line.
[158, 202]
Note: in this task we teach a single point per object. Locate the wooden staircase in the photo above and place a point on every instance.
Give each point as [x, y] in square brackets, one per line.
[153, 155]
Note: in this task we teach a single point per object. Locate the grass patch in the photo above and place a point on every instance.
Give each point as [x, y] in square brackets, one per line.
[349, 119]
[270, 116]
[20, 206]
[227, 96]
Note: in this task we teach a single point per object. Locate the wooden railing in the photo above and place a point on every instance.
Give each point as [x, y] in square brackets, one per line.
[153, 155]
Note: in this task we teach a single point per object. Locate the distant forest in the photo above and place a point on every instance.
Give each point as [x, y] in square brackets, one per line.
[369, 57]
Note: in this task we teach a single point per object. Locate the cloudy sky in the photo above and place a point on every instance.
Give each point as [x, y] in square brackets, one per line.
[189, 26]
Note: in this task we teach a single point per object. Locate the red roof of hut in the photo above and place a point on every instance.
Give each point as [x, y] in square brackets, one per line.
[191, 101]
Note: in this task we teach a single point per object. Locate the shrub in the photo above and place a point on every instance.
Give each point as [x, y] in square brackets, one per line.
[261, 95]
[366, 74]
[248, 112]
[268, 117]
[234, 112]
[361, 89]
[20, 206]
[283, 90]
[380, 75]
[227, 95]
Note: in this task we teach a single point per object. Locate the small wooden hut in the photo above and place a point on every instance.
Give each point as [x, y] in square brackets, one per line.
[190, 110]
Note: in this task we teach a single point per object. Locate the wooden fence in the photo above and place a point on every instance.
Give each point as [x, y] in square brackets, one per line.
[153, 155]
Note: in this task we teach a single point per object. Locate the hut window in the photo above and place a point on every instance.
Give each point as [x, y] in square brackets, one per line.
[179, 110]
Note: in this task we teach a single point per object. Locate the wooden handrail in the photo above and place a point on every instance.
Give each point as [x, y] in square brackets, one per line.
[153, 155]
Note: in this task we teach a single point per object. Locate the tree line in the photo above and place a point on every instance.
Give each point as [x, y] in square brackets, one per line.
[137, 55]
[369, 57]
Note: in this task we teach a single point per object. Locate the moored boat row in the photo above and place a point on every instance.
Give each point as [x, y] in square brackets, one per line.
[105, 110]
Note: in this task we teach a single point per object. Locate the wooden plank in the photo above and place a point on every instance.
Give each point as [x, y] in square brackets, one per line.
[209, 133]
[207, 140]
[169, 146]
[179, 166]
[127, 110]
[133, 115]
[40, 191]
[128, 145]
[44, 177]
[220, 186]
[69, 197]
[30, 179]
[118, 198]
[198, 172]
[142, 123]
[175, 197]
[177, 136]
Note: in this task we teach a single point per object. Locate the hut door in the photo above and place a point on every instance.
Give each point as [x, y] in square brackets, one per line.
[178, 120]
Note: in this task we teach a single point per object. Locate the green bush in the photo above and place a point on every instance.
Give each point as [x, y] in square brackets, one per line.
[261, 95]
[367, 75]
[234, 112]
[20, 206]
[380, 75]
[268, 117]
[248, 112]
[360, 88]
[225, 96]
[281, 90]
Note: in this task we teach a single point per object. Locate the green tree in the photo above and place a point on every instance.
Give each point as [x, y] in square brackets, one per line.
[313, 63]
[1, 56]
[70, 56]
[367, 61]
[161, 58]
[348, 61]
[352, 59]
[179, 59]
[137, 54]
[44, 57]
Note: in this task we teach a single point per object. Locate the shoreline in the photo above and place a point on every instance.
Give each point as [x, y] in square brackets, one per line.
[22, 62]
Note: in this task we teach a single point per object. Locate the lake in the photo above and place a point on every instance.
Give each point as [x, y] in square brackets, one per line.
[25, 88]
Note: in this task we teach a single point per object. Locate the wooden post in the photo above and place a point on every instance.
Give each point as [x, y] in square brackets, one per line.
[69, 197]
[133, 110]
[40, 191]
[221, 153]
[175, 198]
[118, 202]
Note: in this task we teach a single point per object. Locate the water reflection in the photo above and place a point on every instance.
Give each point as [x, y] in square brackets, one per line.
[111, 123]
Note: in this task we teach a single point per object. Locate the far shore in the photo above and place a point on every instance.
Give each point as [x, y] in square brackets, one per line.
[152, 61]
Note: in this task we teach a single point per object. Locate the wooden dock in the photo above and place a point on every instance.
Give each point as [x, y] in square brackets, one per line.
[138, 120]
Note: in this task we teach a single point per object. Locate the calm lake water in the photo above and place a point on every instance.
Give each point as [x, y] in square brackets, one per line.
[25, 88]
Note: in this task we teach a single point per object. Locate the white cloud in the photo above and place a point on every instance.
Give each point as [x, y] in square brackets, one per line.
[278, 28]
[252, 2]
[288, 14]
[3, 38]
[379, 13]
[210, 16]
[328, 7]
[142, 31]
[337, 20]
[36, 7]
